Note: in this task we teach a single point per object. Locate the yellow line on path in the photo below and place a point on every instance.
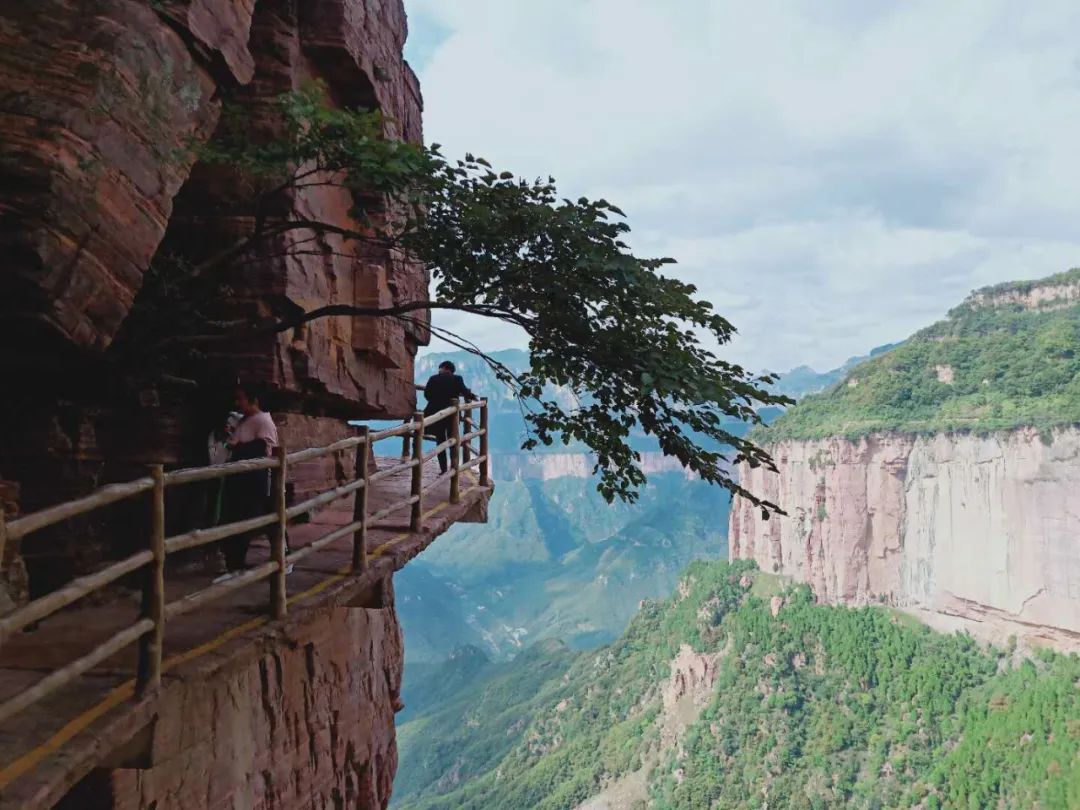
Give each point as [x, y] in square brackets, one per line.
[31, 759]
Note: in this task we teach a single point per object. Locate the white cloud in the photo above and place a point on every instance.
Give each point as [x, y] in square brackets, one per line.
[832, 175]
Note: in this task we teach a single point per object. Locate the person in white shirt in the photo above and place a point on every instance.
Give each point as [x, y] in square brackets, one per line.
[247, 495]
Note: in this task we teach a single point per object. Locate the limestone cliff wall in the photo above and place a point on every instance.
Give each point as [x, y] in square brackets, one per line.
[982, 529]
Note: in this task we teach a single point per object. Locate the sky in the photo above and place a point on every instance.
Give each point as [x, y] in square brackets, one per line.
[832, 175]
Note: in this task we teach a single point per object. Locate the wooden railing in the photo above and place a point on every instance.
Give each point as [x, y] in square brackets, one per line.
[155, 613]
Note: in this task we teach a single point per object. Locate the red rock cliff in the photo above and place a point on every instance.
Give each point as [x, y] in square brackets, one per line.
[97, 99]
[966, 532]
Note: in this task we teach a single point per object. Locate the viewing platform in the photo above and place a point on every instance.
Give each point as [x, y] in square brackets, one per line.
[95, 694]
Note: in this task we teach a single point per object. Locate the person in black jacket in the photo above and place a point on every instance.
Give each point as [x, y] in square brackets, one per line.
[443, 387]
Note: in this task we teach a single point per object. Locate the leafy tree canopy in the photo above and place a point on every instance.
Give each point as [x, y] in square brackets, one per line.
[629, 342]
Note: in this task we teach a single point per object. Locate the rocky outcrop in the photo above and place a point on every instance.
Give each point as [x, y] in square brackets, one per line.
[980, 529]
[683, 697]
[687, 692]
[359, 367]
[308, 724]
[97, 107]
[99, 102]
[1032, 296]
[94, 110]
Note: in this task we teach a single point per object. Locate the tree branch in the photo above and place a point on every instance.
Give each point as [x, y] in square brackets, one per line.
[331, 310]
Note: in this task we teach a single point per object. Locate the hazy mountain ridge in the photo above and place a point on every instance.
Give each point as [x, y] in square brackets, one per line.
[803, 380]
[556, 561]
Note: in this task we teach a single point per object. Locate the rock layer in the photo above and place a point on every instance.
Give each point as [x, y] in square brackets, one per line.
[983, 529]
[98, 100]
[94, 110]
[306, 725]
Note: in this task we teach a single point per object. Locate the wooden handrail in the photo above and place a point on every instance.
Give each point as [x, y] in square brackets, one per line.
[54, 680]
[72, 592]
[455, 453]
[417, 474]
[218, 590]
[200, 537]
[192, 475]
[63, 511]
[279, 536]
[389, 471]
[318, 452]
[485, 430]
[479, 461]
[361, 472]
[433, 452]
[331, 495]
[412, 500]
[435, 482]
[155, 612]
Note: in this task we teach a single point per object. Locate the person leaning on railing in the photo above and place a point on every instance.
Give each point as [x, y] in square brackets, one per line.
[440, 392]
[247, 495]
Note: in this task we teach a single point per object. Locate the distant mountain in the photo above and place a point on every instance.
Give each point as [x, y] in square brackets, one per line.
[555, 561]
[1007, 357]
[803, 380]
[737, 691]
[509, 428]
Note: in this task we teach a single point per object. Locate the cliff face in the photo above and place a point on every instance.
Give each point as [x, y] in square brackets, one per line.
[94, 105]
[309, 724]
[1034, 296]
[981, 529]
[99, 102]
[97, 105]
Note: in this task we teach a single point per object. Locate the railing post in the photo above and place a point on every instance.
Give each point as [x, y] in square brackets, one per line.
[363, 450]
[405, 439]
[455, 452]
[484, 469]
[416, 517]
[153, 602]
[3, 535]
[279, 535]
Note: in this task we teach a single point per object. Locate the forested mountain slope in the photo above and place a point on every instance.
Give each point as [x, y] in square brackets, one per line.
[736, 694]
[1008, 356]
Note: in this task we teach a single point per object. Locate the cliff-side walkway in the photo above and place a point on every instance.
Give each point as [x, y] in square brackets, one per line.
[97, 720]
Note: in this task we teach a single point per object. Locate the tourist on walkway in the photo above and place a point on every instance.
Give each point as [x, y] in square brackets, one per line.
[443, 387]
[247, 495]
